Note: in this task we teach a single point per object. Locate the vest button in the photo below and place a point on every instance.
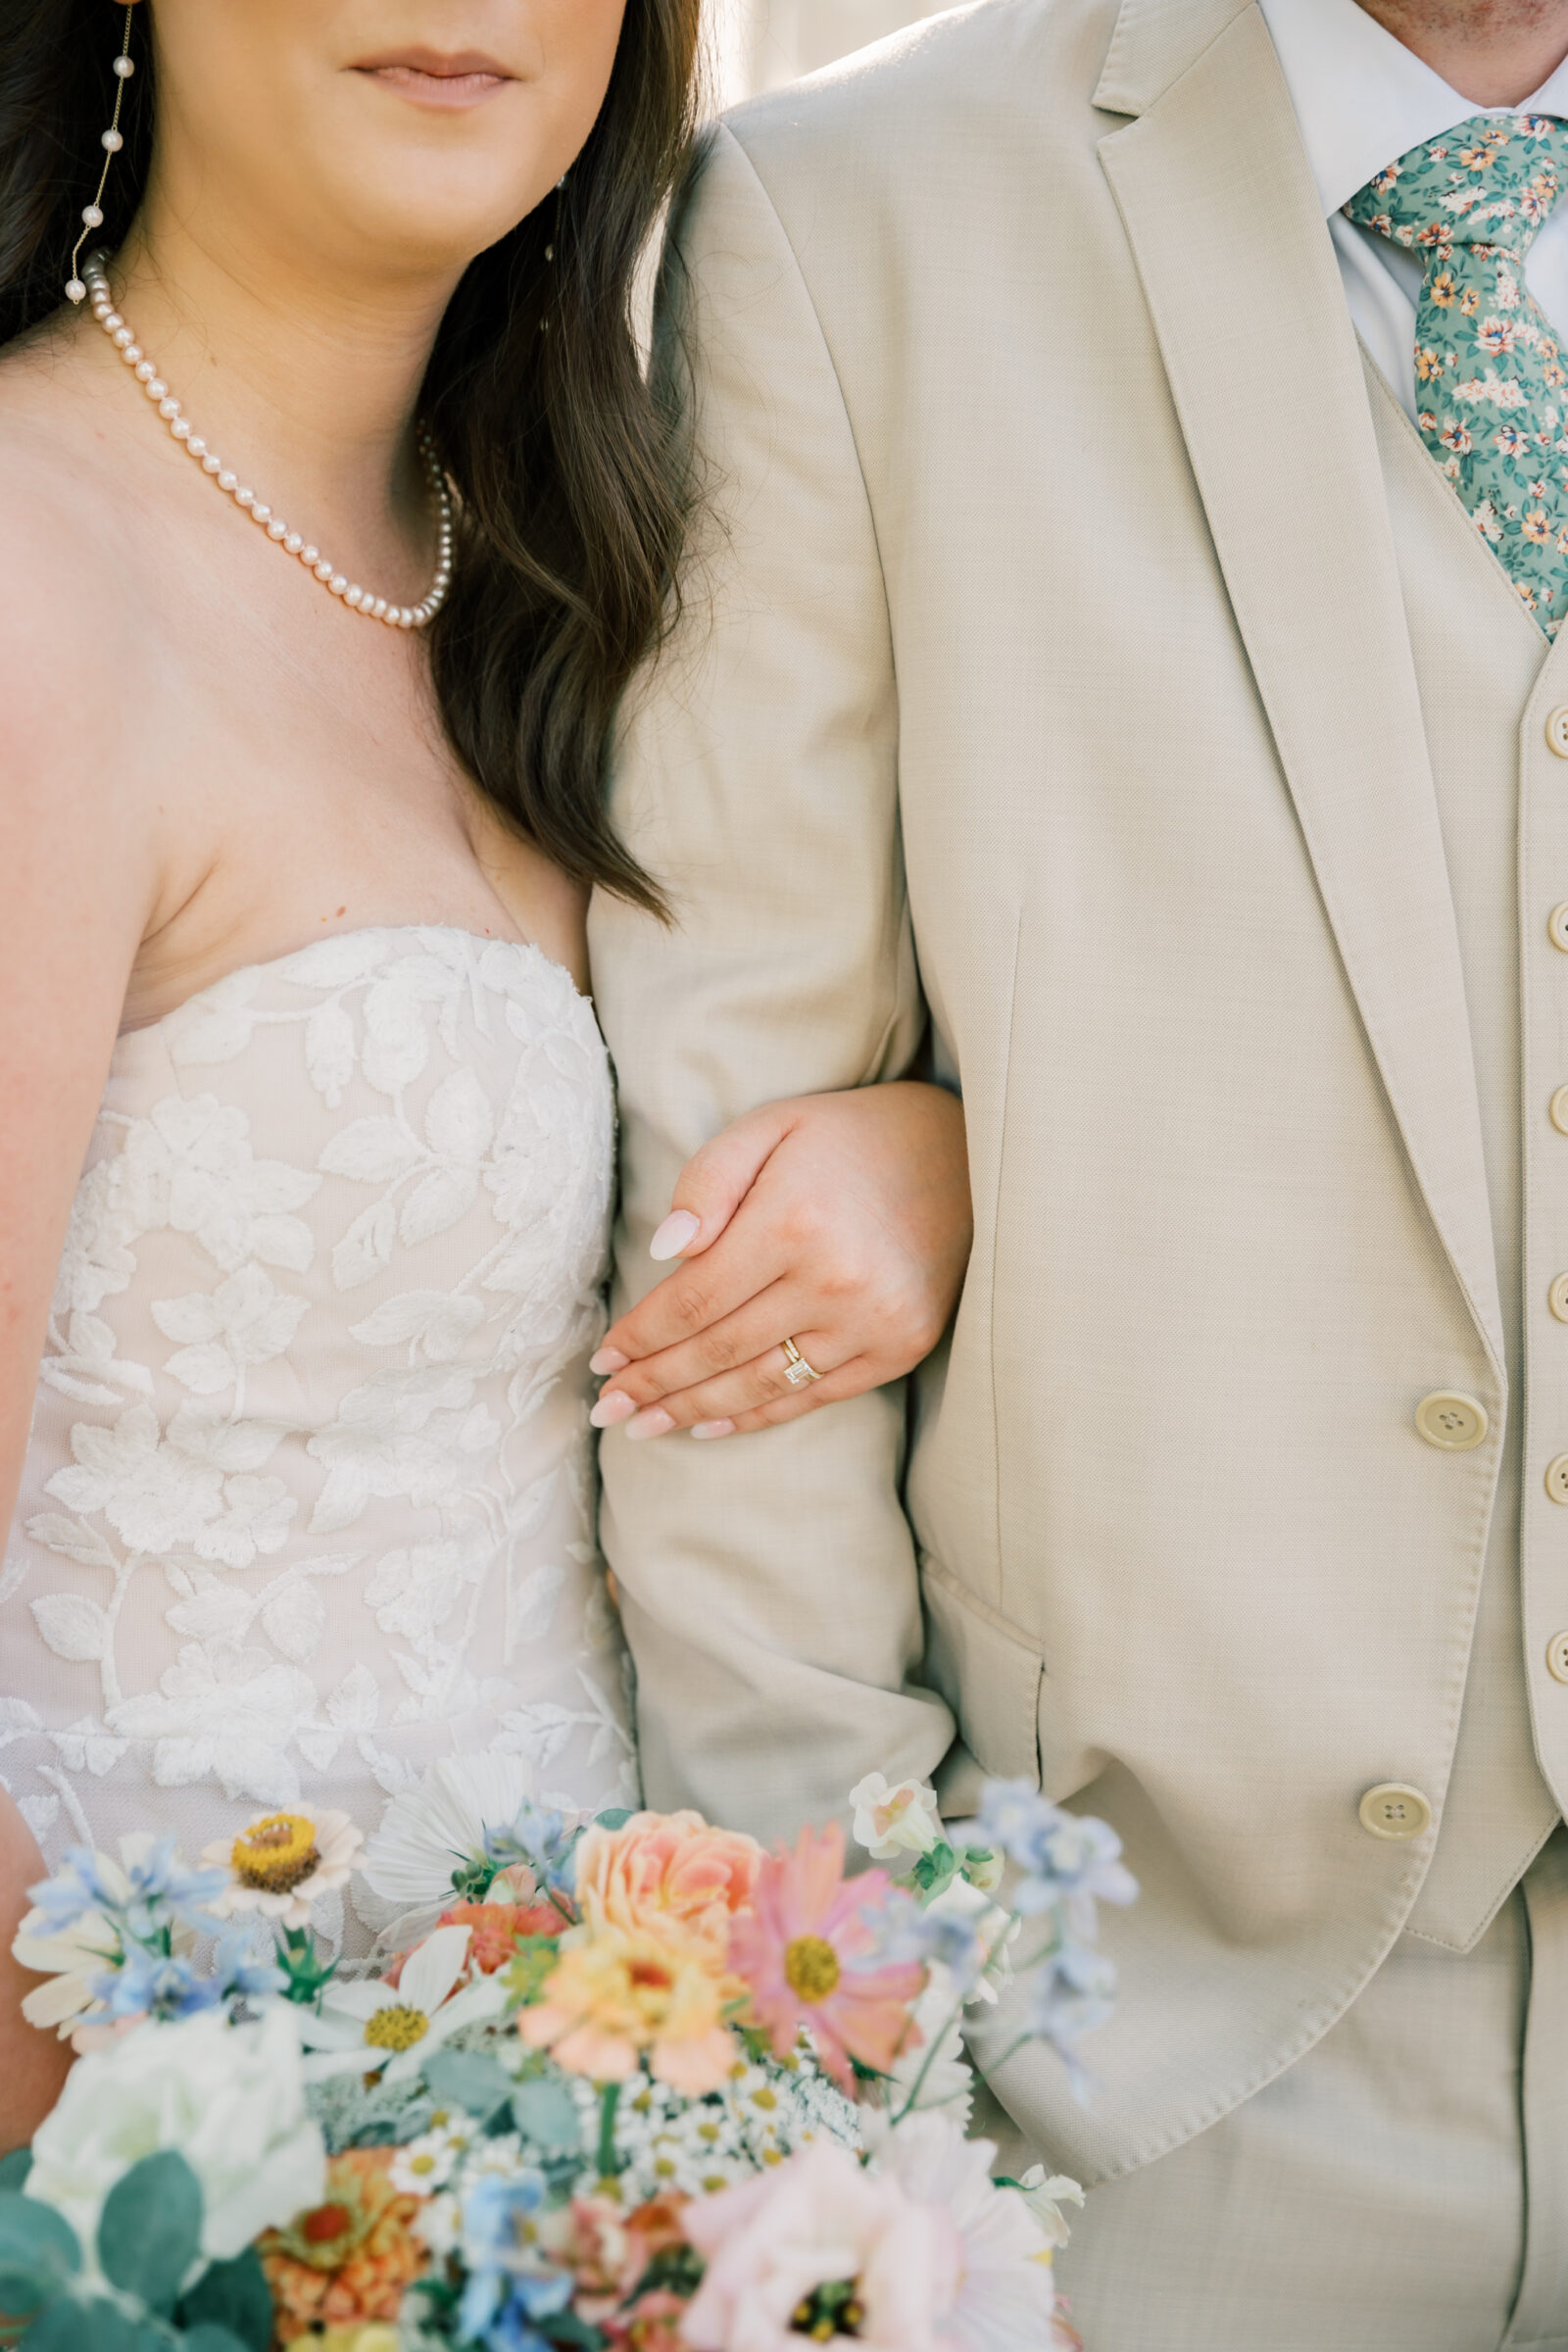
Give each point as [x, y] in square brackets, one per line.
[1558, 730]
[1558, 1478]
[1557, 1298]
[1558, 1658]
[1558, 1110]
[1391, 1810]
[1452, 1422]
[1558, 926]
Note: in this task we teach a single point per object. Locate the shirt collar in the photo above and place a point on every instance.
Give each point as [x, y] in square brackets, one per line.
[1362, 99]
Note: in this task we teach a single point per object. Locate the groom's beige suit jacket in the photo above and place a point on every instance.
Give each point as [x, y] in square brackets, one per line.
[1047, 687]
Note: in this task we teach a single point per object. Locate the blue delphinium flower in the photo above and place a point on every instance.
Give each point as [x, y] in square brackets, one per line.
[538, 1837]
[144, 1899]
[509, 2285]
[240, 1972]
[157, 1984]
[1065, 1862]
[77, 1887]
[953, 1941]
[166, 1891]
[1074, 1990]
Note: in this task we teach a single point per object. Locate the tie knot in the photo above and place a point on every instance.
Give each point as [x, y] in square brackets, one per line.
[1491, 182]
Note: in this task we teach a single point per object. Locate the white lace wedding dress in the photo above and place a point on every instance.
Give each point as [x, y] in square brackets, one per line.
[310, 1495]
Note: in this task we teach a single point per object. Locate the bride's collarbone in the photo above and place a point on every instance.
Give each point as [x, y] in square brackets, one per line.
[284, 755]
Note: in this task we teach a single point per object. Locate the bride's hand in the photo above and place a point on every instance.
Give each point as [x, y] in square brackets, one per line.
[839, 1221]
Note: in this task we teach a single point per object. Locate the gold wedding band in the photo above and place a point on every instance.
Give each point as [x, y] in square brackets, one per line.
[797, 1371]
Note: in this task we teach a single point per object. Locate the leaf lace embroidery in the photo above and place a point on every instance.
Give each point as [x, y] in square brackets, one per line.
[310, 1496]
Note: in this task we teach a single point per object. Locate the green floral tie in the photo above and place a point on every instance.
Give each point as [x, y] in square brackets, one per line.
[1488, 373]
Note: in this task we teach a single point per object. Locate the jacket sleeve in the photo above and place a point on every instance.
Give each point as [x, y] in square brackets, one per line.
[769, 1584]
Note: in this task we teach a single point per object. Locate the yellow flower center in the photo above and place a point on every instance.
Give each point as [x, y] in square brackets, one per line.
[810, 1968]
[277, 1853]
[396, 2027]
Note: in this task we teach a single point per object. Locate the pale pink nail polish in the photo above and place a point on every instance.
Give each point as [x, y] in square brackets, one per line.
[712, 1429]
[606, 1360]
[613, 1407]
[677, 1233]
[652, 1424]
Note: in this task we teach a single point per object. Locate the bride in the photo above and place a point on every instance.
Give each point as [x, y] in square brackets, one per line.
[338, 518]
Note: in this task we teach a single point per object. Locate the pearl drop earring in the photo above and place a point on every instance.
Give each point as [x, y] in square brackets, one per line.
[92, 215]
[555, 241]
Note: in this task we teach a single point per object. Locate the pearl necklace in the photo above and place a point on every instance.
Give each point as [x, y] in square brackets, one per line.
[335, 582]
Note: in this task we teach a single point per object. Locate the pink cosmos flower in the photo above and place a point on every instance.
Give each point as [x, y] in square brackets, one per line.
[803, 1950]
[820, 2220]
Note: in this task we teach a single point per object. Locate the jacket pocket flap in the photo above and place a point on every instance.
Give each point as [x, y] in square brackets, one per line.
[988, 1671]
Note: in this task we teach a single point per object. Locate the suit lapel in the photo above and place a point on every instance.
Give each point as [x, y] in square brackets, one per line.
[1217, 196]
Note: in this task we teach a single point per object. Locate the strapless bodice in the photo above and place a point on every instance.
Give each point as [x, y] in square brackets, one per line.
[308, 1499]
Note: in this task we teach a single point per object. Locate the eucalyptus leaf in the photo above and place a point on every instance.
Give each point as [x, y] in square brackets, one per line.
[546, 2113]
[464, 2079]
[15, 2168]
[614, 1817]
[72, 2326]
[39, 2252]
[32, 2232]
[210, 2338]
[233, 2296]
[151, 2229]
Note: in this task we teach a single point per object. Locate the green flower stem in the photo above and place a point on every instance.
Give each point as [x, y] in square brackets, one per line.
[609, 2102]
[937, 2040]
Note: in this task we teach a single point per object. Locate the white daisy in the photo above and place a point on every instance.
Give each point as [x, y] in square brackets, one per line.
[428, 1832]
[71, 1959]
[375, 2027]
[281, 1862]
[425, 2165]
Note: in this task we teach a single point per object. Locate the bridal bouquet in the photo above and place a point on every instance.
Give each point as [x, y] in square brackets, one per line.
[632, 2084]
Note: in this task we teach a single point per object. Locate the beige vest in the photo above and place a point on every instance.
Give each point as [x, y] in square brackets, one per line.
[1483, 678]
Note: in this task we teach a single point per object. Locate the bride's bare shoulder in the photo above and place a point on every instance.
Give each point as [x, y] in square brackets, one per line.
[66, 599]
[68, 655]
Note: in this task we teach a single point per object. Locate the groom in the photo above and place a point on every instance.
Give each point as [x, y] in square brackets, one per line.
[1122, 665]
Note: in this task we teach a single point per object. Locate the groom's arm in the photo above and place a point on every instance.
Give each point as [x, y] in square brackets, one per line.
[768, 1582]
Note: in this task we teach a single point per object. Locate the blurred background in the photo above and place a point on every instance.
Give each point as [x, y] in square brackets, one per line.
[759, 43]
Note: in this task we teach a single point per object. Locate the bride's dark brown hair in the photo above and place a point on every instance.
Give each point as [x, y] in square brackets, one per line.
[570, 468]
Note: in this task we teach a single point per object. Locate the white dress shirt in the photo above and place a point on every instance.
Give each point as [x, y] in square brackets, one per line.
[1362, 100]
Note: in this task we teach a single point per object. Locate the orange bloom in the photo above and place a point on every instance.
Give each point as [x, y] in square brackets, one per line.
[667, 1871]
[613, 1995]
[608, 2250]
[497, 1927]
[349, 2260]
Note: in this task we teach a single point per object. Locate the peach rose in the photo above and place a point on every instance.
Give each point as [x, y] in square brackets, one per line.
[667, 1871]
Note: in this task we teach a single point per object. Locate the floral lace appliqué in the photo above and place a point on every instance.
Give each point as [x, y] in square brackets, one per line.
[309, 1493]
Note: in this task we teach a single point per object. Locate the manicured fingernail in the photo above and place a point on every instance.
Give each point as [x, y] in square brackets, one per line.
[677, 1233]
[712, 1429]
[613, 1406]
[606, 1360]
[650, 1424]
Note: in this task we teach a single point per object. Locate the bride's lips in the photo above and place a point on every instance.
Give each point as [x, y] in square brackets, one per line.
[430, 79]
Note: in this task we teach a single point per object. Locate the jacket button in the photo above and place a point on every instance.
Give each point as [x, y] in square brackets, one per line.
[1557, 1298]
[1558, 1658]
[1558, 1478]
[1558, 926]
[1558, 1110]
[1391, 1810]
[1454, 1422]
[1558, 730]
